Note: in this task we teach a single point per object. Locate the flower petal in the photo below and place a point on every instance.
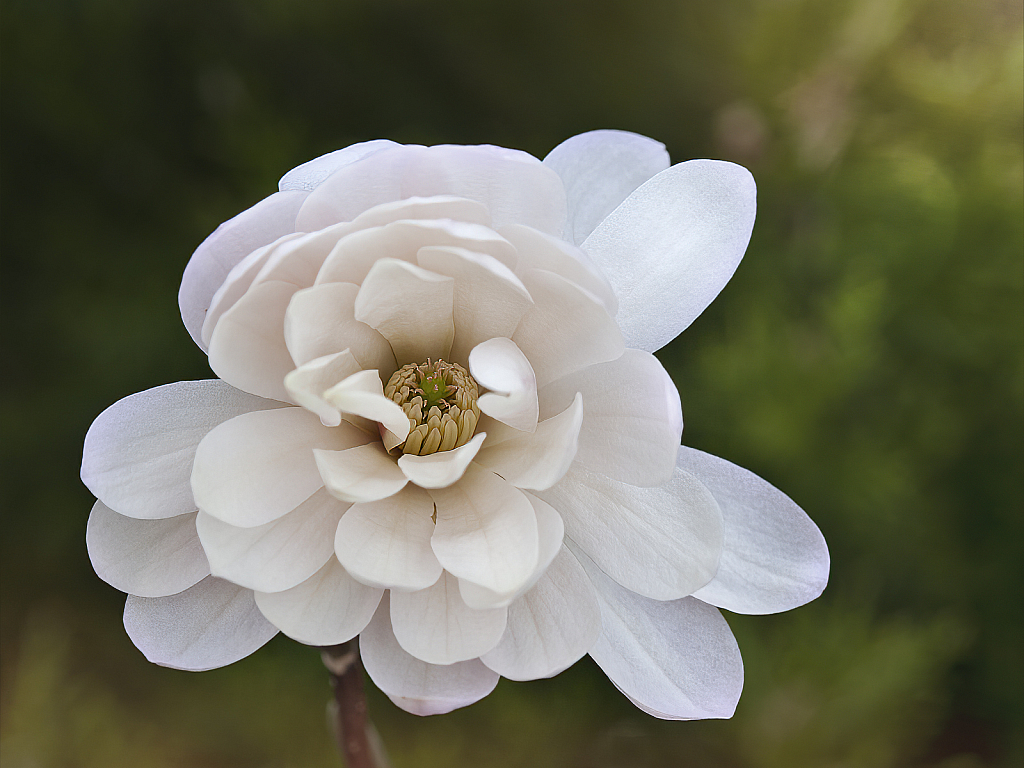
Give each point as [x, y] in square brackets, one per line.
[362, 394]
[307, 384]
[551, 627]
[673, 245]
[321, 321]
[489, 299]
[363, 473]
[676, 660]
[410, 307]
[312, 174]
[774, 557]
[149, 558]
[486, 531]
[663, 543]
[259, 466]
[138, 453]
[632, 420]
[387, 543]
[539, 460]
[277, 555]
[514, 186]
[247, 348]
[209, 625]
[414, 685]
[599, 170]
[439, 470]
[231, 242]
[566, 329]
[436, 626]
[500, 366]
[328, 608]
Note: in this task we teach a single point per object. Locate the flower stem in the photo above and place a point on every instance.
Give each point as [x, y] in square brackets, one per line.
[352, 725]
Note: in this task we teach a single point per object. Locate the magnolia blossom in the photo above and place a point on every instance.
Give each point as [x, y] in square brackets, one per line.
[438, 425]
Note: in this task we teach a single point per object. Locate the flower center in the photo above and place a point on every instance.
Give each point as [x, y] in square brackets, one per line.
[440, 400]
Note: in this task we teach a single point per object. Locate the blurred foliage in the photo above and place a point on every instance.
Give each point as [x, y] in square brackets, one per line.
[866, 358]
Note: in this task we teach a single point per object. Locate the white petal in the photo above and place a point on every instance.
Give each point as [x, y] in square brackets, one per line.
[632, 420]
[210, 625]
[537, 250]
[501, 367]
[566, 329]
[774, 557]
[328, 608]
[351, 259]
[539, 460]
[551, 627]
[259, 466]
[312, 174]
[410, 307]
[550, 533]
[231, 242]
[387, 543]
[321, 321]
[414, 685]
[486, 531]
[676, 660]
[439, 470]
[489, 299]
[663, 543]
[673, 245]
[247, 348]
[307, 384]
[149, 558]
[362, 394]
[363, 473]
[138, 453]
[278, 555]
[436, 626]
[514, 186]
[599, 170]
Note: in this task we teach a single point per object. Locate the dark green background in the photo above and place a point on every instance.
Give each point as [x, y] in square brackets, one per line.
[866, 358]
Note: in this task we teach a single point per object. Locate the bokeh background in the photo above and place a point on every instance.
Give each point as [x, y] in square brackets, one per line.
[866, 358]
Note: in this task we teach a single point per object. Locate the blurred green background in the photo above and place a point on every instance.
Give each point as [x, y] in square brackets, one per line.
[866, 358]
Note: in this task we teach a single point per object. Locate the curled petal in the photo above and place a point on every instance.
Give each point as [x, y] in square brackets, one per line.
[363, 473]
[501, 367]
[439, 470]
[210, 625]
[415, 685]
[328, 608]
[148, 558]
[362, 394]
[307, 384]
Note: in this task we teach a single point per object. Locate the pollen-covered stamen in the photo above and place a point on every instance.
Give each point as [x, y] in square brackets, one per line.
[440, 400]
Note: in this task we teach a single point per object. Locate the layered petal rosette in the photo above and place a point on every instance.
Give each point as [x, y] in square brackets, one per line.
[438, 425]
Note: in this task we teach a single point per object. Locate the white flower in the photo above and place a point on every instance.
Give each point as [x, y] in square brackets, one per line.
[438, 425]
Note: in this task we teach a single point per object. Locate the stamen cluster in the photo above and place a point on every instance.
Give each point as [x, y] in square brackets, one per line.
[439, 398]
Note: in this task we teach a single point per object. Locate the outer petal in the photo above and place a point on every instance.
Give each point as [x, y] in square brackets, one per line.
[410, 307]
[232, 241]
[676, 660]
[312, 174]
[566, 329]
[436, 626]
[774, 558]
[514, 186]
[387, 543]
[259, 466]
[632, 421]
[414, 685]
[278, 555]
[539, 460]
[328, 608]
[673, 245]
[210, 625]
[439, 470]
[486, 531]
[149, 558]
[663, 543]
[599, 170]
[550, 627]
[138, 453]
[363, 473]
[500, 366]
